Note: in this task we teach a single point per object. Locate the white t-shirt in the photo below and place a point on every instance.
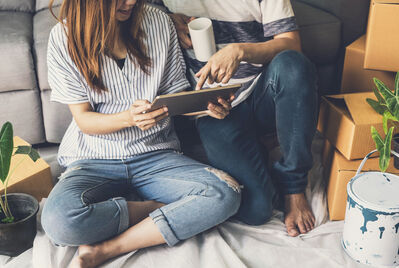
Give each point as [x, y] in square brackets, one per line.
[236, 21]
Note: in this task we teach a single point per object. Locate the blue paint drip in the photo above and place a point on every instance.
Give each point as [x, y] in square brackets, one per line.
[396, 228]
[351, 202]
[368, 215]
[382, 229]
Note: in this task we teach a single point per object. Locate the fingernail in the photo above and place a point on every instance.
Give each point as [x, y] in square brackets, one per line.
[165, 109]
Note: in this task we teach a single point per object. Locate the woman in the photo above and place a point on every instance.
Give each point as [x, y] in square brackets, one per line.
[108, 60]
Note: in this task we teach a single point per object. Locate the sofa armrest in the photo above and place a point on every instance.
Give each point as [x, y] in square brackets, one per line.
[352, 13]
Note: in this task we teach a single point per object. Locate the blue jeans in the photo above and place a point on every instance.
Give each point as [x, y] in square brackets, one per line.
[87, 204]
[283, 101]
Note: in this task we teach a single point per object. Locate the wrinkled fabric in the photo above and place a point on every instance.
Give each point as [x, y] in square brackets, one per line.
[230, 245]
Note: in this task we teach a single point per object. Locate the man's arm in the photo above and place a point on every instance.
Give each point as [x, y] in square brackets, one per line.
[264, 52]
[223, 64]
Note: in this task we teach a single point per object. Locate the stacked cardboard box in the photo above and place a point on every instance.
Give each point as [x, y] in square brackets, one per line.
[383, 36]
[340, 171]
[345, 120]
[357, 79]
[375, 54]
[30, 177]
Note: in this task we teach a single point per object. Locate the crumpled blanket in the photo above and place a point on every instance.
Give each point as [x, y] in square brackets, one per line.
[229, 245]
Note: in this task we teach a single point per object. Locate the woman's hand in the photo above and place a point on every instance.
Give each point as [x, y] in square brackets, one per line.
[222, 110]
[140, 116]
[221, 66]
[180, 21]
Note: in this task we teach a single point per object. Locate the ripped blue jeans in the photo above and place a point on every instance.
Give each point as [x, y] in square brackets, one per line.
[87, 205]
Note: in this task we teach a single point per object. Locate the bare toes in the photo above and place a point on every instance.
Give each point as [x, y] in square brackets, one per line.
[307, 226]
[302, 227]
[291, 228]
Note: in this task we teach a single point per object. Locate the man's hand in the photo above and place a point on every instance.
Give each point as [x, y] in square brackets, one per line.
[221, 66]
[222, 110]
[180, 21]
[141, 118]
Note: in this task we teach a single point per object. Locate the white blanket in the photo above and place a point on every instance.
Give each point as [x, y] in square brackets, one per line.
[230, 245]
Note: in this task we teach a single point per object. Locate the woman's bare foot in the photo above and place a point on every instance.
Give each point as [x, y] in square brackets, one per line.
[88, 257]
[298, 215]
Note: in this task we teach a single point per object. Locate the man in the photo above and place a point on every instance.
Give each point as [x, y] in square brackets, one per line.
[259, 46]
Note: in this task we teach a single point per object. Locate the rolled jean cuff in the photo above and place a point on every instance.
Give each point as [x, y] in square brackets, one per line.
[124, 213]
[160, 221]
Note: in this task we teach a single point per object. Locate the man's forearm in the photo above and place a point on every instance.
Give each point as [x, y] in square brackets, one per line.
[93, 123]
[261, 53]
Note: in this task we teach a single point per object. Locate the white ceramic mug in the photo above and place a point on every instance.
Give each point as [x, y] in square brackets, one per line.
[202, 37]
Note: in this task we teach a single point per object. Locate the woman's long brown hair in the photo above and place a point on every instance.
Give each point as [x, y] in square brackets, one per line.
[91, 27]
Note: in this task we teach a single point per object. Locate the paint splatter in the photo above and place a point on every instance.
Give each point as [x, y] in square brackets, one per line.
[368, 215]
[351, 202]
[382, 229]
[386, 178]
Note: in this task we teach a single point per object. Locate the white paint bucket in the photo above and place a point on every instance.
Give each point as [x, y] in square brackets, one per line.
[371, 228]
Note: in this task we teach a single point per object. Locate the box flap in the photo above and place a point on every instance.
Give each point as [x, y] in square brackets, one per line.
[372, 164]
[386, 1]
[359, 44]
[358, 108]
[361, 112]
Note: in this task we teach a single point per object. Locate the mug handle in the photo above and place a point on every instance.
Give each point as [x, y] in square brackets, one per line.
[368, 156]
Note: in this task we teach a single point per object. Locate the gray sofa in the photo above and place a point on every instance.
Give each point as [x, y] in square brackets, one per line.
[326, 27]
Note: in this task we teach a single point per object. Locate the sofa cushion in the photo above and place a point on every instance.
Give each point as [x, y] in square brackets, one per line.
[320, 33]
[42, 4]
[353, 15]
[56, 116]
[43, 22]
[23, 109]
[16, 66]
[18, 5]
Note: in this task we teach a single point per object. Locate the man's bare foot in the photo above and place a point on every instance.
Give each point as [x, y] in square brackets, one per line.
[298, 215]
[89, 257]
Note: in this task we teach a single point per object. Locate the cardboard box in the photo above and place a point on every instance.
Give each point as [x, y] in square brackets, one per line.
[346, 120]
[339, 171]
[30, 177]
[382, 51]
[357, 79]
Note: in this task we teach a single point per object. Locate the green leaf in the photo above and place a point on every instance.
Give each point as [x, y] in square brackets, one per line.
[8, 220]
[34, 155]
[23, 149]
[397, 84]
[380, 99]
[6, 148]
[387, 116]
[392, 101]
[383, 89]
[383, 147]
[379, 108]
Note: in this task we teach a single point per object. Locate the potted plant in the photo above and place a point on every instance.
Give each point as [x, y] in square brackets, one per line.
[18, 210]
[387, 105]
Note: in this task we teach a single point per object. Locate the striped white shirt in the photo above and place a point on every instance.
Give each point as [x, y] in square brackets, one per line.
[126, 85]
[236, 21]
